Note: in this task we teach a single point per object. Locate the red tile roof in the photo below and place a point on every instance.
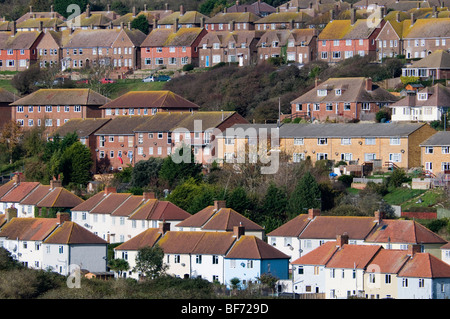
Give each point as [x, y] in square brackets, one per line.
[72, 233]
[60, 197]
[354, 256]
[110, 203]
[90, 203]
[199, 218]
[29, 228]
[147, 238]
[155, 209]
[389, 261]
[19, 192]
[251, 247]
[425, 265]
[180, 242]
[292, 228]
[319, 256]
[36, 196]
[128, 206]
[5, 188]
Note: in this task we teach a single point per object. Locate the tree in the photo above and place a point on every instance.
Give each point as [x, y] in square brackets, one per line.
[306, 195]
[146, 172]
[275, 202]
[149, 262]
[7, 262]
[76, 162]
[119, 265]
[10, 136]
[238, 200]
[180, 166]
[140, 23]
[62, 6]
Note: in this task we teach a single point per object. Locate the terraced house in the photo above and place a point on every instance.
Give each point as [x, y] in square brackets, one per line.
[225, 21]
[182, 19]
[171, 47]
[342, 39]
[387, 144]
[435, 153]
[282, 20]
[51, 108]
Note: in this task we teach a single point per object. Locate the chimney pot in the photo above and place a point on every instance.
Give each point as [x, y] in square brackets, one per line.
[378, 216]
[238, 231]
[353, 16]
[10, 213]
[414, 249]
[368, 84]
[55, 183]
[62, 217]
[149, 195]
[218, 204]
[164, 227]
[342, 240]
[109, 190]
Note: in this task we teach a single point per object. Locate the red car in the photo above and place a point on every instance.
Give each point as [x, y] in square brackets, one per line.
[106, 80]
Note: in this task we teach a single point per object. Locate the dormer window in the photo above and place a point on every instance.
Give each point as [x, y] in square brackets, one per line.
[422, 96]
[274, 44]
[338, 91]
[291, 43]
[321, 92]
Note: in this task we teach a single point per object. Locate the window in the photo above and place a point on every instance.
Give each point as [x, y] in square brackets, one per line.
[336, 54]
[20, 109]
[215, 259]
[61, 249]
[77, 108]
[445, 166]
[405, 282]
[336, 43]
[395, 141]
[346, 141]
[369, 157]
[322, 156]
[365, 106]
[387, 278]
[347, 106]
[298, 157]
[346, 157]
[395, 157]
[324, 55]
[198, 259]
[172, 60]
[370, 141]
[322, 141]
[329, 107]
[321, 92]
[429, 150]
[148, 61]
[298, 141]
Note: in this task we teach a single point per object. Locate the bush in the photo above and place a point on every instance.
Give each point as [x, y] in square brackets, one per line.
[188, 67]
[346, 180]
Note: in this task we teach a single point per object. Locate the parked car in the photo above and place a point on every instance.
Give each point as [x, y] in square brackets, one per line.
[149, 78]
[83, 81]
[163, 78]
[107, 80]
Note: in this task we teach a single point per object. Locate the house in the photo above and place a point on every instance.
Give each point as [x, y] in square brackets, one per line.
[435, 66]
[126, 19]
[293, 45]
[445, 253]
[390, 38]
[90, 19]
[50, 47]
[54, 107]
[71, 246]
[260, 8]
[229, 46]
[16, 191]
[282, 20]
[117, 217]
[435, 154]
[118, 48]
[381, 144]
[219, 218]
[424, 277]
[250, 258]
[39, 15]
[39, 24]
[18, 49]
[85, 129]
[342, 99]
[342, 39]
[182, 19]
[116, 143]
[138, 103]
[55, 244]
[231, 21]
[171, 47]
[6, 98]
[427, 105]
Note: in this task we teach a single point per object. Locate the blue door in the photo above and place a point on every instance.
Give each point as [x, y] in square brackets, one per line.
[207, 61]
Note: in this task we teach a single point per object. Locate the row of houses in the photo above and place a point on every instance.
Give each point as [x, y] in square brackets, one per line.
[219, 244]
[188, 37]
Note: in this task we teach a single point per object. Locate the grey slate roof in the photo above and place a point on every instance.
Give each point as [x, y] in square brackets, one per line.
[355, 130]
[439, 139]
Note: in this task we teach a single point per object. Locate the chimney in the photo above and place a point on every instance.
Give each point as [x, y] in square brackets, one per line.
[145, 7]
[397, 16]
[41, 26]
[149, 195]
[16, 178]
[13, 28]
[435, 12]
[134, 11]
[341, 240]
[111, 26]
[88, 11]
[129, 25]
[218, 204]
[331, 15]
[353, 16]
[55, 183]
[368, 84]
[166, 5]
[310, 5]
[238, 231]
[10, 213]
[175, 25]
[155, 23]
[202, 22]
[109, 190]
[414, 249]
[62, 217]
[51, 8]
[291, 24]
[121, 24]
[378, 216]
[182, 10]
[108, 7]
[313, 212]
[237, 2]
[31, 9]
[412, 19]
[164, 227]
[225, 10]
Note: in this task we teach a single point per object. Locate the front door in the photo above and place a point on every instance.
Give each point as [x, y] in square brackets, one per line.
[207, 61]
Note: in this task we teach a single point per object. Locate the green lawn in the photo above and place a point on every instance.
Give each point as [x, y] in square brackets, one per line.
[429, 198]
[400, 195]
[6, 84]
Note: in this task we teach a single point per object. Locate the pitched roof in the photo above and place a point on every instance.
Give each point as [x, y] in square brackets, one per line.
[338, 130]
[403, 231]
[5, 188]
[223, 219]
[60, 197]
[284, 17]
[147, 238]
[238, 17]
[319, 256]
[441, 138]
[210, 119]
[425, 265]
[72, 233]
[166, 100]
[189, 17]
[37, 195]
[62, 97]
[353, 256]
[35, 23]
[7, 96]
[437, 96]
[110, 203]
[180, 242]
[226, 37]
[389, 261]
[292, 228]
[121, 125]
[257, 7]
[128, 206]
[352, 89]
[439, 59]
[328, 227]
[19, 192]
[21, 40]
[89, 203]
[343, 29]
[155, 209]
[29, 228]
[429, 28]
[82, 127]
[251, 247]
[95, 19]
[166, 37]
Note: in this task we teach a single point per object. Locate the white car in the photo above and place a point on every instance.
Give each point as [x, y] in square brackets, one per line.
[149, 78]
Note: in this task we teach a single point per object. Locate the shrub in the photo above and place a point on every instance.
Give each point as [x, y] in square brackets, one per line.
[188, 67]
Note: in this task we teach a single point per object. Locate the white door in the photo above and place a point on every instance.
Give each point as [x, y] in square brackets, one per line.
[300, 58]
